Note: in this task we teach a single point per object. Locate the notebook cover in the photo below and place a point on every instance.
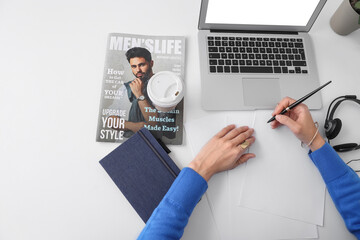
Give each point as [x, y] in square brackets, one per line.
[142, 170]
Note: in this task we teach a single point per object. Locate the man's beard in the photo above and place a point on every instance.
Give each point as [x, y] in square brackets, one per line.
[145, 76]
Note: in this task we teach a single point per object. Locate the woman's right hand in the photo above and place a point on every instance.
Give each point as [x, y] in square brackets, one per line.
[299, 121]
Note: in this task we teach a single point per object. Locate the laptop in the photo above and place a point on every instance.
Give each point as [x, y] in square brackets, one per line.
[254, 53]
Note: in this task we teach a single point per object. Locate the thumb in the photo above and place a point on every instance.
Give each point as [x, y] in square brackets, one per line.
[285, 120]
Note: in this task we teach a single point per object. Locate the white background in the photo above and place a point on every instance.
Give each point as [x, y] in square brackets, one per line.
[51, 66]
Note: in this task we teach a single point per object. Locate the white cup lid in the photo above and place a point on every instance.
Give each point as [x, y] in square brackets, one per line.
[165, 89]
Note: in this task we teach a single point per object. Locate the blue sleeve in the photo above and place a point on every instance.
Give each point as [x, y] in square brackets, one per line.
[342, 183]
[169, 219]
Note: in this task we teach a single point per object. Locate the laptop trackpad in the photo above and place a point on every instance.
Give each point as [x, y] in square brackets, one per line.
[261, 92]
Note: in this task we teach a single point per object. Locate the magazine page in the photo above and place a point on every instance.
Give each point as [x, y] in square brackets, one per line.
[143, 86]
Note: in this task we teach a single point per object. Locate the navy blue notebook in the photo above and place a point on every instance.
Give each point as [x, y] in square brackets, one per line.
[142, 170]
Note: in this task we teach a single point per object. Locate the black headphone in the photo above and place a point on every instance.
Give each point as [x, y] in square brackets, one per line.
[333, 126]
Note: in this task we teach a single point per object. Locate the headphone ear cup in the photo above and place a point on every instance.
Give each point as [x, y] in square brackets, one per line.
[333, 128]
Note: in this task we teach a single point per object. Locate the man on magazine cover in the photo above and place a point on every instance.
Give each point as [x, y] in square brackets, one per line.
[141, 64]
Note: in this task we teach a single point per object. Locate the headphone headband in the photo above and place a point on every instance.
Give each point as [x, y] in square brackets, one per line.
[347, 97]
[333, 126]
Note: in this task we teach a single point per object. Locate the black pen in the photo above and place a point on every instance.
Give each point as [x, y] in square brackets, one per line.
[299, 101]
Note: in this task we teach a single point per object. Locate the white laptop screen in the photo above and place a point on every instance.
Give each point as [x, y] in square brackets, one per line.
[261, 12]
[265, 15]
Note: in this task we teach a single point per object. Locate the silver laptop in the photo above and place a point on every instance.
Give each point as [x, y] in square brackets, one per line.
[254, 53]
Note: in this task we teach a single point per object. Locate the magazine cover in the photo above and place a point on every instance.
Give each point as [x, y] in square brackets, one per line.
[143, 86]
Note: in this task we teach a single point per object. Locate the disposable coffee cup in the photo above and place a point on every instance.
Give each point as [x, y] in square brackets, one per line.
[165, 90]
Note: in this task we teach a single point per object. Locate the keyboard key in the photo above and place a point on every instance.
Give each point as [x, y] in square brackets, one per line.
[268, 63]
[299, 63]
[248, 62]
[238, 56]
[220, 69]
[224, 43]
[213, 49]
[235, 62]
[212, 69]
[231, 55]
[228, 62]
[234, 69]
[262, 62]
[216, 55]
[242, 62]
[210, 38]
[299, 45]
[297, 69]
[213, 62]
[256, 69]
[284, 69]
[221, 62]
[304, 71]
[224, 55]
[227, 69]
[221, 49]
[291, 71]
[277, 70]
[217, 43]
[255, 62]
[211, 43]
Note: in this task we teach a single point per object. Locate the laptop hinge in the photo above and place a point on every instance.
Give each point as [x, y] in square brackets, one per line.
[247, 31]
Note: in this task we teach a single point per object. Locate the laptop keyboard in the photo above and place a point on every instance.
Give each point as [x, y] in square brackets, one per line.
[256, 55]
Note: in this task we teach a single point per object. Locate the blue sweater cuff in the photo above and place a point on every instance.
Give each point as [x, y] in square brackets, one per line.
[330, 165]
[187, 189]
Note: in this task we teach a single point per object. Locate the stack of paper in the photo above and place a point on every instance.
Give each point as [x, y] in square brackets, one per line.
[277, 195]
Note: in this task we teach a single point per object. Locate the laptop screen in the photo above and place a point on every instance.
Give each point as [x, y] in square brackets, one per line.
[265, 15]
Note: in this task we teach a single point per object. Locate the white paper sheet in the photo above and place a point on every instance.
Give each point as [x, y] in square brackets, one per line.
[282, 179]
[250, 224]
[236, 222]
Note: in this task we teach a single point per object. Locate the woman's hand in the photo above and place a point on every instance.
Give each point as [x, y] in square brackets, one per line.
[299, 121]
[224, 151]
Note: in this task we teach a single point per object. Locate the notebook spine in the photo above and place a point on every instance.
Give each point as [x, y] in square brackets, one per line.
[157, 154]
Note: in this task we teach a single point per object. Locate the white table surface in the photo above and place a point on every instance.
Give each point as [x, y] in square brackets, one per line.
[52, 56]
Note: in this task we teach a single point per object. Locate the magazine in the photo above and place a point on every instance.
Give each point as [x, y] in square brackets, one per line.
[142, 86]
